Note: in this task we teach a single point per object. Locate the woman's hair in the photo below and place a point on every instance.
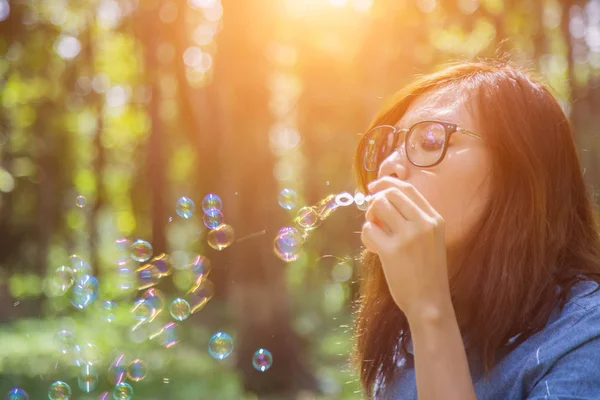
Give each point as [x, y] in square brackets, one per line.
[538, 232]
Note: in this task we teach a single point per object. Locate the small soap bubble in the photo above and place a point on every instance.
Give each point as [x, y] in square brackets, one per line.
[156, 299]
[211, 202]
[122, 251]
[287, 199]
[185, 207]
[80, 201]
[87, 379]
[89, 354]
[105, 396]
[307, 218]
[126, 278]
[201, 268]
[64, 341]
[200, 295]
[62, 280]
[137, 370]
[162, 264]
[359, 198]
[168, 335]
[288, 244]
[84, 292]
[151, 273]
[213, 218]
[361, 201]
[262, 360]
[142, 310]
[17, 394]
[326, 207]
[344, 199]
[123, 391]
[79, 267]
[140, 250]
[109, 309]
[220, 345]
[221, 237]
[117, 370]
[59, 391]
[180, 309]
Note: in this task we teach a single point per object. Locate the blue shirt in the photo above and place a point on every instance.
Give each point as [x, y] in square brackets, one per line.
[560, 362]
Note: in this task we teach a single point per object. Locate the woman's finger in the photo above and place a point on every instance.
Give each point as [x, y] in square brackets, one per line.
[404, 205]
[408, 189]
[384, 214]
[373, 237]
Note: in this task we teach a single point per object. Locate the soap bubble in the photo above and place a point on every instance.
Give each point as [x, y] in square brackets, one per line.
[140, 250]
[137, 370]
[64, 341]
[59, 391]
[344, 199]
[221, 237]
[151, 273]
[62, 280]
[180, 309]
[126, 278]
[288, 244]
[200, 295]
[307, 218]
[142, 310]
[201, 268]
[17, 394]
[168, 335]
[123, 391]
[79, 267]
[108, 310]
[87, 379]
[326, 207]
[213, 218]
[211, 202]
[220, 345]
[361, 201]
[262, 360]
[122, 245]
[156, 299]
[80, 201]
[287, 199]
[185, 207]
[90, 354]
[84, 292]
[117, 370]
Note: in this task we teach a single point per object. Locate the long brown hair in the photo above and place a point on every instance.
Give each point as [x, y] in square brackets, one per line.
[538, 233]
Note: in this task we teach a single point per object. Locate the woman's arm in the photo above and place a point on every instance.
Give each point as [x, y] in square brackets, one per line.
[441, 366]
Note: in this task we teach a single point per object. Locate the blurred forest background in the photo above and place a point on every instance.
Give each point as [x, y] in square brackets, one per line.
[135, 103]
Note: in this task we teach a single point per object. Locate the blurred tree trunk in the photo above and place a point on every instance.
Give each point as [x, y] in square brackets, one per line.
[148, 30]
[257, 291]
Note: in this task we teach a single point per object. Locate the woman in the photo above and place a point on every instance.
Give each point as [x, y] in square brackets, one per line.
[483, 249]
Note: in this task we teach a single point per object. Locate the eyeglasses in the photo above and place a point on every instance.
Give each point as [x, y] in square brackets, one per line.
[425, 143]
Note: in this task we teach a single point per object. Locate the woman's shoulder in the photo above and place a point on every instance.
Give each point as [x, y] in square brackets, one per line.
[582, 300]
[564, 356]
[576, 323]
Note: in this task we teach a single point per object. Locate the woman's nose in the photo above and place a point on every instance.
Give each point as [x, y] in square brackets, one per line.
[395, 164]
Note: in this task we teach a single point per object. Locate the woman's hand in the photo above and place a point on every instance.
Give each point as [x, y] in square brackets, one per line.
[408, 235]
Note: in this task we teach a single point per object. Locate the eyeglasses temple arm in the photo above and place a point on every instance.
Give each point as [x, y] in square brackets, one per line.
[462, 130]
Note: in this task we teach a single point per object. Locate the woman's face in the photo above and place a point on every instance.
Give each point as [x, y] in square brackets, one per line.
[457, 187]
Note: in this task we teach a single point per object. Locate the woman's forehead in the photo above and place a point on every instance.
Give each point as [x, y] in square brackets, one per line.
[442, 104]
